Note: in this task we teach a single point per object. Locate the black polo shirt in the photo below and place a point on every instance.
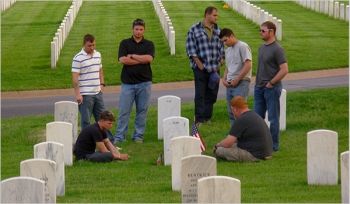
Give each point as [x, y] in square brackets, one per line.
[133, 74]
[86, 142]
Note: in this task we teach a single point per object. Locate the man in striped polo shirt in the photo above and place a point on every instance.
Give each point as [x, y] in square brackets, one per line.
[88, 81]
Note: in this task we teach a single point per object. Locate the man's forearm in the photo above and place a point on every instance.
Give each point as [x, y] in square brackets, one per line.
[142, 59]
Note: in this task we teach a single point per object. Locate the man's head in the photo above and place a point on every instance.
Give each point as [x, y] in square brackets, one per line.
[89, 43]
[238, 106]
[267, 30]
[138, 28]
[211, 15]
[106, 120]
[227, 37]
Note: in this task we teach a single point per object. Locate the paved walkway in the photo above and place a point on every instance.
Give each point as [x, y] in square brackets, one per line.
[22, 103]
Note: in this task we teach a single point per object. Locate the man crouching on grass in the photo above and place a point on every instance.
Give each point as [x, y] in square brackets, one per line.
[249, 138]
[94, 137]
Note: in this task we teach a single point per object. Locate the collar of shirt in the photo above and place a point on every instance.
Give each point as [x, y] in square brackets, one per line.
[132, 38]
[85, 53]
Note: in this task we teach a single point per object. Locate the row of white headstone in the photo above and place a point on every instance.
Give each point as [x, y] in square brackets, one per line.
[255, 14]
[322, 161]
[43, 177]
[63, 31]
[5, 4]
[188, 166]
[166, 23]
[329, 7]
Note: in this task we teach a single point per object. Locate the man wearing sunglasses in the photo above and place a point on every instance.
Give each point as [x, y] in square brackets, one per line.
[272, 68]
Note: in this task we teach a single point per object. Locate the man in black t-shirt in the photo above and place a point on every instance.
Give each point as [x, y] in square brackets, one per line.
[249, 138]
[94, 137]
[136, 54]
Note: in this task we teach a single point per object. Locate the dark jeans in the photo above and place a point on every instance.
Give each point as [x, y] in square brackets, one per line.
[204, 96]
[92, 104]
[269, 99]
[100, 157]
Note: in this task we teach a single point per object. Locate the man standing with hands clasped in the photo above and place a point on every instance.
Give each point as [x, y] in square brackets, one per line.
[88, 81]
[238, 72]
[272, 68]
[206, 54]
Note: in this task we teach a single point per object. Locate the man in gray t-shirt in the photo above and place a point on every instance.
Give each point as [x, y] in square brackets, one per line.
[238, 72]
[272, 68]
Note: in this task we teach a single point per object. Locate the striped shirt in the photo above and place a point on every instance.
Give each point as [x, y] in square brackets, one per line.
[88, 68]
[209, 51]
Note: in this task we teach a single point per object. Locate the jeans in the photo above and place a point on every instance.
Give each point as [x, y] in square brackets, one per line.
[205, 97]
[234, 153]
[269, 99]
[140, 94]
[242, 89]
[91, 104]
[100, 157]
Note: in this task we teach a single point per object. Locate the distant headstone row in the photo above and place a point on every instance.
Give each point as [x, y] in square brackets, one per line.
[255, 14]
[63, 31]
[329, 7]
[43, 177]
[166, 23]
[5, 4]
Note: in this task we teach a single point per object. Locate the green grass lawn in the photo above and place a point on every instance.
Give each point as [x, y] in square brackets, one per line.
[311, 40]
[282, 179]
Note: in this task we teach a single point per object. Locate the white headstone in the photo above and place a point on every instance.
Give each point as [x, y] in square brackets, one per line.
[192, 169]
[181, 147]
[173, 127]
[167, 106]
[44, 170]
[53, 151]
[342, 11]
[219, 189]
[336, 9]
[67, 111]
[22, 190]
[344, 159]
[61, 132]
[322, 157]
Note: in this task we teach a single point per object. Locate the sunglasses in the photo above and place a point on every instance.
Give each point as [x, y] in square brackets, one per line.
[264, 31]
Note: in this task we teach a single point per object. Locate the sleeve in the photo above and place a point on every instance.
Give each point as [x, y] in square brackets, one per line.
[191, 47]
[222, 50]
[100, 61]
[151, 50]
[246, 53]
[76, 65]
[280, 57]
[123, 51]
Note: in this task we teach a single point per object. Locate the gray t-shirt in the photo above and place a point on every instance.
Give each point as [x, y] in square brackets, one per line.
[235, 56]
[252, 134]
[270, 58]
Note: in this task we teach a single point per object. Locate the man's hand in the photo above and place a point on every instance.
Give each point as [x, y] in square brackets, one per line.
[234, 83]
[225, 83]
[123, 157]
[79, 99]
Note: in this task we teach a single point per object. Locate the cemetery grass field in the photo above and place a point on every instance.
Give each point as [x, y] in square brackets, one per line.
[311, 40]
[282, 179]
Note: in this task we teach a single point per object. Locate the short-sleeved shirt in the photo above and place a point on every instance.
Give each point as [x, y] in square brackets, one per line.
[134, 74]
[271, 56]
[252, 134]
[88, 67]
[209, 50]
[86, 142]
[235, 57]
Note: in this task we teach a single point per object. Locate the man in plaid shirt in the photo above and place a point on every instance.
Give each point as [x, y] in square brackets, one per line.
[206, 54]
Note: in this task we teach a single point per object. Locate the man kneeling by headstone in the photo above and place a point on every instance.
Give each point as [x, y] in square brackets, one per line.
[249, 138]
[94, 137]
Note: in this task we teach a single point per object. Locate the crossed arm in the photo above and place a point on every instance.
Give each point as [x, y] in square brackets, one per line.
[133, 59]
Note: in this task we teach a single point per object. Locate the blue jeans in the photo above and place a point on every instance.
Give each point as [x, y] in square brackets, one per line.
[269, 99]
[205, 97]
[92, 104]
[242, 89]
[140, 94]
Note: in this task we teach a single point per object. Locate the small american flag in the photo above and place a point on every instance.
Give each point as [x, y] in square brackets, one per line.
[195, 133]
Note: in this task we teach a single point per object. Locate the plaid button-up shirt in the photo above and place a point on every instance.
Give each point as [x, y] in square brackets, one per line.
[209, 51]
